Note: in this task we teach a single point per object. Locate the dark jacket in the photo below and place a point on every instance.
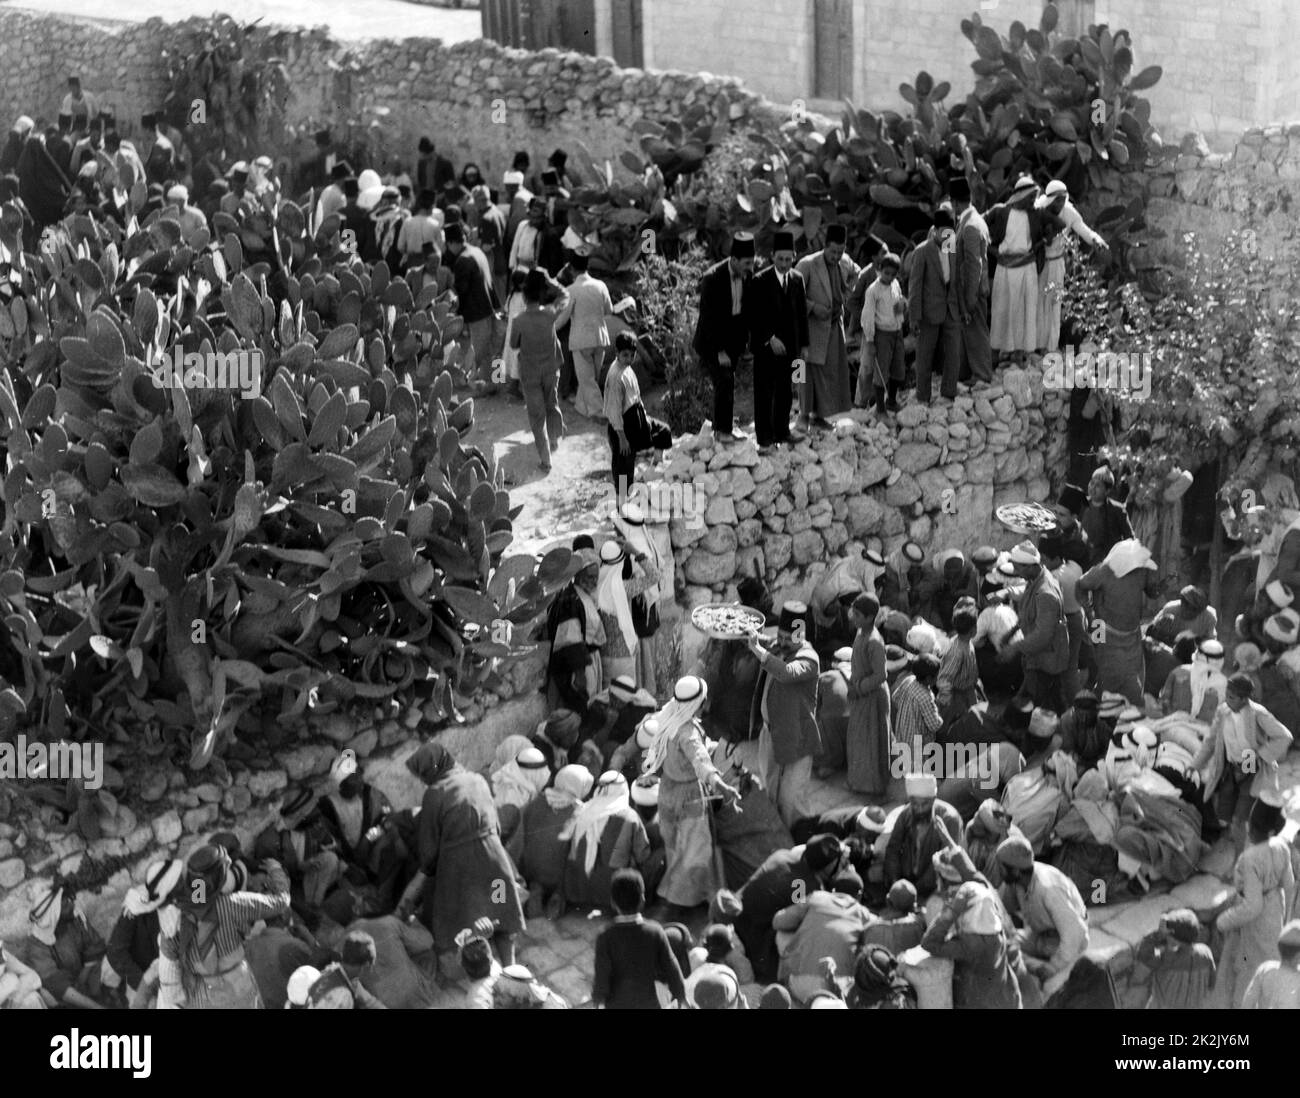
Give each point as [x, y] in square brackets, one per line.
[718, 329]
[791, 703]
[472, 289]
[1045, 644]
[771, 311]
[358, 221]
[972, 270]
[771, 887]
[133, 946]
[929, 298]
[903, 861]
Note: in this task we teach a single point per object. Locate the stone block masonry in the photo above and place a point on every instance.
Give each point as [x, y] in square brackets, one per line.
[934, 478]
[478, 100]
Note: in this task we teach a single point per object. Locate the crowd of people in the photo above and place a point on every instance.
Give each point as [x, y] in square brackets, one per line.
[1058, 736]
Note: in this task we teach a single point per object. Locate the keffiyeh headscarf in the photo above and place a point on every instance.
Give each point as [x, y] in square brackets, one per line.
[1205, 674]
[688, 699]
[630, 522]
[611, 592]
[45, 917]
[160, 881]
[983, 914]
[611, 798]
[997, 623]
[521, 779]
[508, 750]
[572, 784]
[1127, 556]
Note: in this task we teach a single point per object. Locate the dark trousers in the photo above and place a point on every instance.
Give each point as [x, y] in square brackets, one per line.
[622, 466]
[976, 351]
[724, 391]
[942, 341]
[773, 397]
[1044, 690]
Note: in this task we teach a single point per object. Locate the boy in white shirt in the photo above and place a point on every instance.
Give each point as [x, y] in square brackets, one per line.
[882, 337]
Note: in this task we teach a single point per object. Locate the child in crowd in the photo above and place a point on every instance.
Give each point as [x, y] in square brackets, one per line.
[633, 952]
[882, 338]
[901, 925]
[1182, 966]
[516, 303]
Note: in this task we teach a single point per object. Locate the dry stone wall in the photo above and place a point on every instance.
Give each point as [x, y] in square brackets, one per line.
[934, 478]
[478, 100]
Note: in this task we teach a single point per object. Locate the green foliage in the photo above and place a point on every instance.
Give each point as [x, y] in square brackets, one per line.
[171, 558]
[1224, 345]
[241, 80]
[668, 292]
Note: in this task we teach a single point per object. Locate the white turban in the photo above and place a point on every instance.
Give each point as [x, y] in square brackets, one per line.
[922, 785]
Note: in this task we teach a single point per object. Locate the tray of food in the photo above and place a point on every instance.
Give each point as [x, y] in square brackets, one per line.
[1026, 518]
[729, 621]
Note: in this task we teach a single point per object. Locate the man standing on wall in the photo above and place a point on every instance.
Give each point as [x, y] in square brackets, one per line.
[829, 277]
[972, 273]
[778, 334]
[721, 332]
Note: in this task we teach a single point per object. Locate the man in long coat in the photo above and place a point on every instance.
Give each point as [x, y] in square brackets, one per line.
[829, 277]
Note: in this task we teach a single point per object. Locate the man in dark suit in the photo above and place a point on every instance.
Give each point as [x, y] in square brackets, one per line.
[777, 317]
[932, 306]
[721, 333]
[785, 704]
[355, 219]
[972, 274]
[431, 170]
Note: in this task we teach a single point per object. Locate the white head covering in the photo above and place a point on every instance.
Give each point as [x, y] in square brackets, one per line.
[572, 784]
[1127, 555]
[688, 698]
[1049, 194]
[508, 750]
[1206, 674]
[611, 592]
[23, 125]
[630, 522]
[46, 923]
[923, 638]
[1026, 552]
[997, 623]
[921, 785]
[515, 179]
[983, 915]
[610, 798]
[371, 188]
[179, 193]
[344, 766]
[521, 779]
[160, 881]
[300, 984]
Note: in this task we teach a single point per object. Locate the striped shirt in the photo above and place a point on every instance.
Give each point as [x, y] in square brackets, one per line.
[916, 715]
[236, 913]
[958, 670]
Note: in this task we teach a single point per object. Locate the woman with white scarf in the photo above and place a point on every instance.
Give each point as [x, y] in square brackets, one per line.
[630, 523]
[516, 784]
[679, 753]
[615, 590]
[608, 835]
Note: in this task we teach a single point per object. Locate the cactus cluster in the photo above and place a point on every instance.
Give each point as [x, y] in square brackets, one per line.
[173, 558]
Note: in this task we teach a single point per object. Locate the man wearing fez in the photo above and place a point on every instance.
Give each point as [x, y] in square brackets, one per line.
[829, 277]
[971, 259]
[778, 334]
[1045, 634]
[785, 707]
[721, 332]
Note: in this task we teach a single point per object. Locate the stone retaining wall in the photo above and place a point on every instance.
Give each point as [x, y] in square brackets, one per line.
[791, 513]
[478, 100]
[178, 810]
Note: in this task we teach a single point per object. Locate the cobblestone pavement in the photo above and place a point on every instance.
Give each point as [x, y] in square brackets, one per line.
[561, 953]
